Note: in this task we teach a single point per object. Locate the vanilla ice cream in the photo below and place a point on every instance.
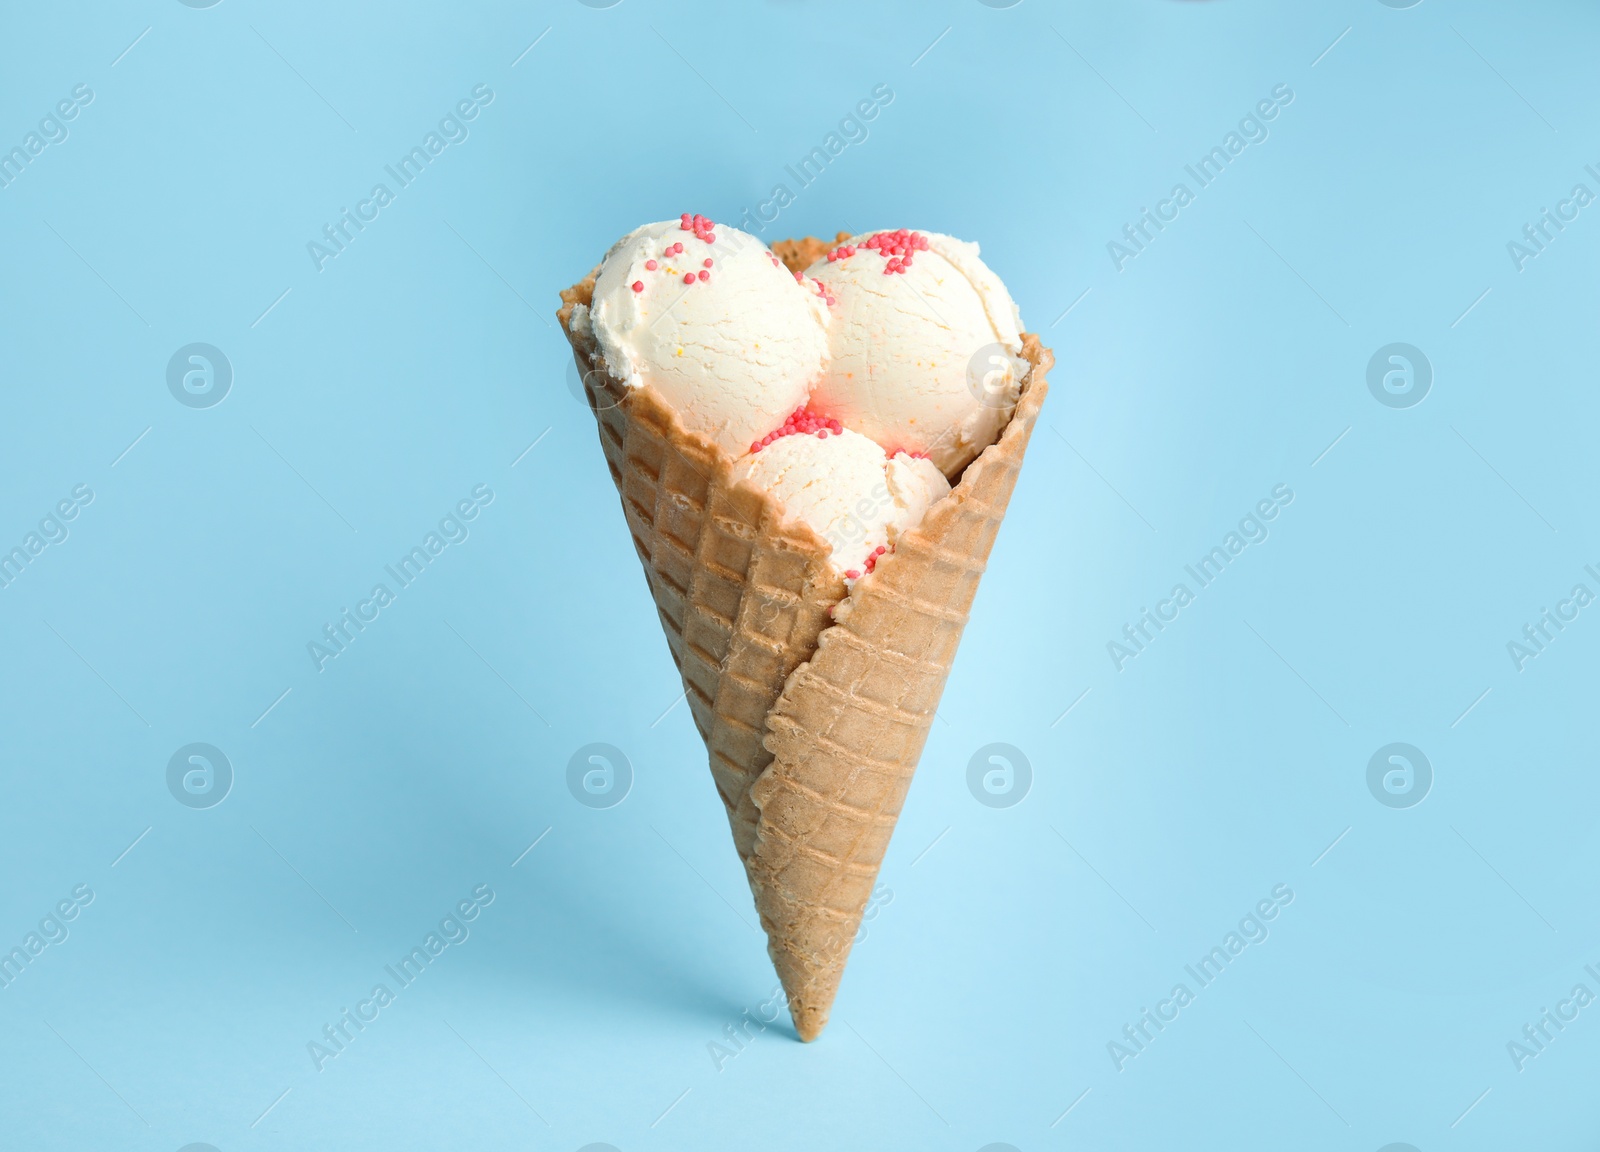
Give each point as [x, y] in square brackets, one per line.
[924, 345]
[711, 319]
[844, 486]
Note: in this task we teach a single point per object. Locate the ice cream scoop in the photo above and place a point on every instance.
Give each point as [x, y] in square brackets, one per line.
[843, 485]
[924, 342]
[711, 319]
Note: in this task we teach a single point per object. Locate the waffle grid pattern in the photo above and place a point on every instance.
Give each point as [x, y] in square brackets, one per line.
[788, 706]
[849, 728]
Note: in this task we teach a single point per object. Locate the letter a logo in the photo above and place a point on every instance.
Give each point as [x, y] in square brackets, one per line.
[199, 375]
[1399, 375]
[999, 775]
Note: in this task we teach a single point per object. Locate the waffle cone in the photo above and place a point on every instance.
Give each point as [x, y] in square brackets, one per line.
[814, 705]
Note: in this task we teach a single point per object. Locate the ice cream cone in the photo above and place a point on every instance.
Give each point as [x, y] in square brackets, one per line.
[814, 704]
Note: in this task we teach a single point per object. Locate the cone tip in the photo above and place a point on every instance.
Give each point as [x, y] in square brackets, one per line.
[808, 1021]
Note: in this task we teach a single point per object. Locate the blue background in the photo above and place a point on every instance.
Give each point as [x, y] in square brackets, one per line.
[1008, 946]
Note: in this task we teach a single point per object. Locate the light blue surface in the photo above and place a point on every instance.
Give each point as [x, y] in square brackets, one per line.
[1009, 945]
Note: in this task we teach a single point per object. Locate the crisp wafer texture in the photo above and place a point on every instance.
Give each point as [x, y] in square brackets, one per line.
[814, 705]
[798, 255]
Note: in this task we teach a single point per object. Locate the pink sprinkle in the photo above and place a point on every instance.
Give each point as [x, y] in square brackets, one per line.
[704, 275]
[708, 262]
[688, 277]
[638, 285]
[852, 574]
[804, 422]
[896, 248]
[649, 265]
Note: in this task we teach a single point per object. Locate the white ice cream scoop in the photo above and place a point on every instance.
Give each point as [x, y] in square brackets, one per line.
[710, 318]
[845, 487]
[925, 345]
